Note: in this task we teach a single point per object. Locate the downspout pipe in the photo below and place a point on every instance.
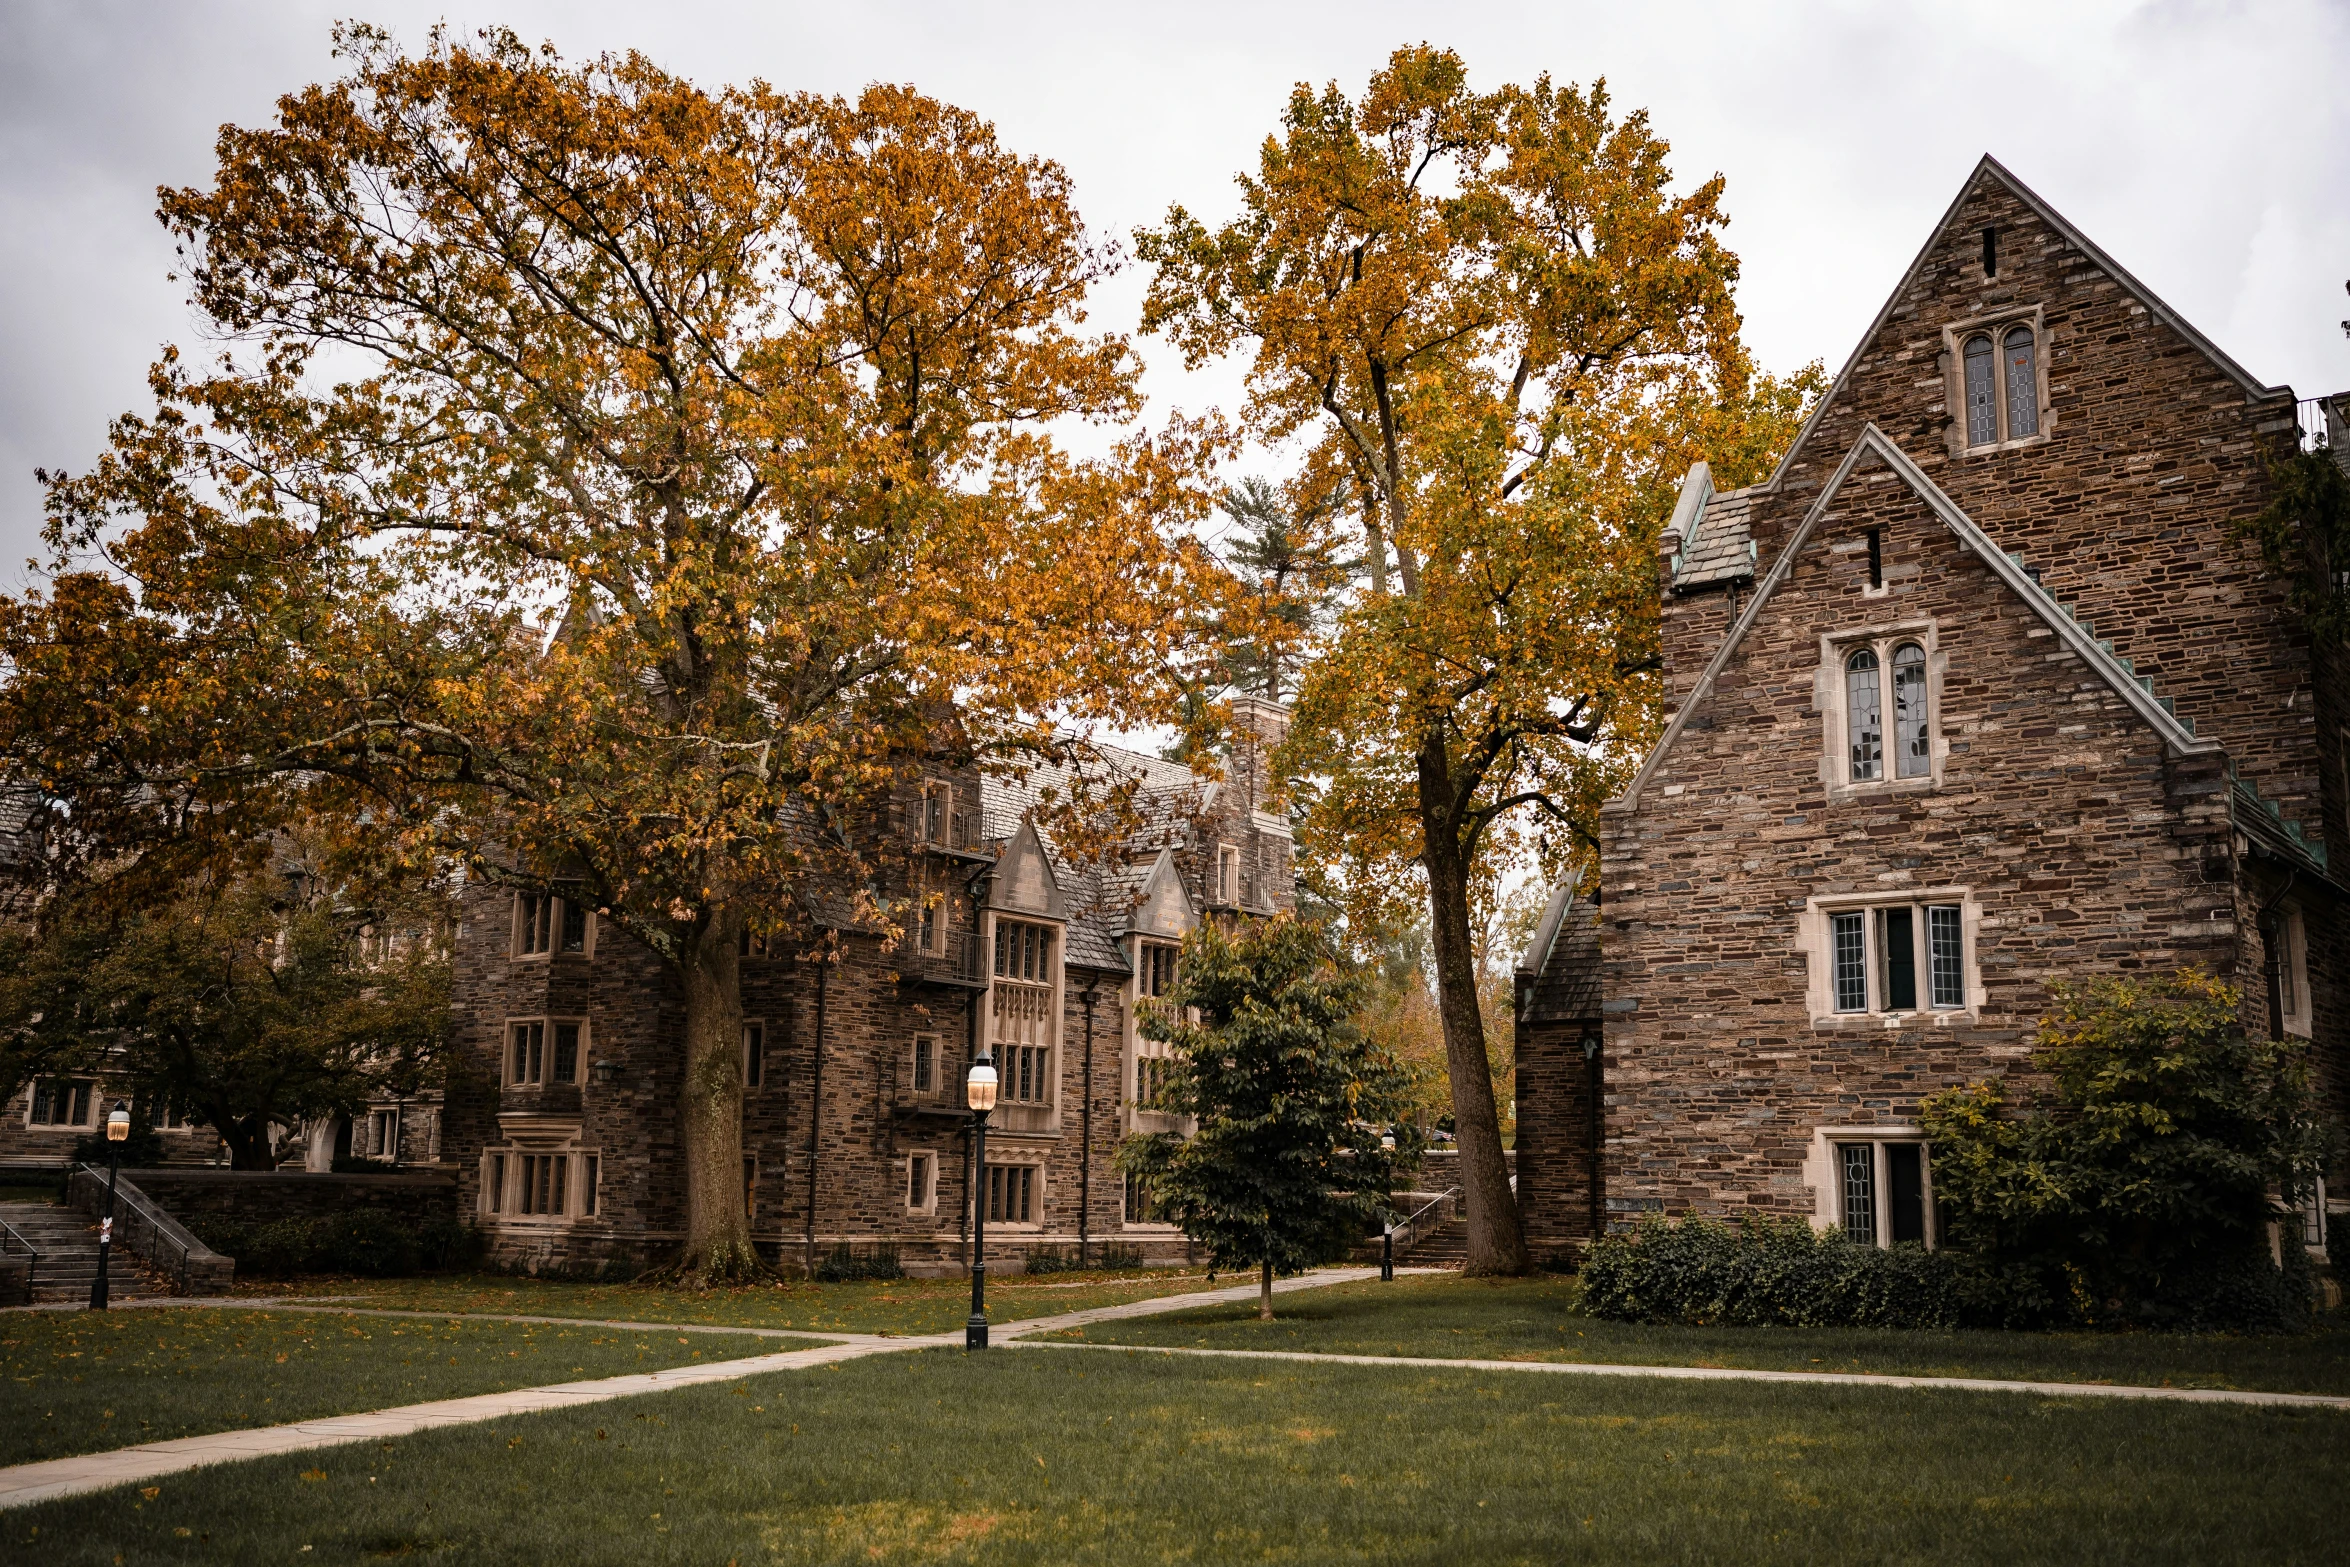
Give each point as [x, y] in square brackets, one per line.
[1593, 1044]
[816, 1106]
[1085, 1138]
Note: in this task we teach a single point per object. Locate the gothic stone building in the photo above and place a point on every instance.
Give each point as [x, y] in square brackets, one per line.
[1978, 691]
[564, 1133]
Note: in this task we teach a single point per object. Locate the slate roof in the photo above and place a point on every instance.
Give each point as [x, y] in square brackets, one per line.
[1099, 895]
[1558, 977]
[1719, 549]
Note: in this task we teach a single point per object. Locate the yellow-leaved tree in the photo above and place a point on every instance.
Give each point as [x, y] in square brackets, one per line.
[1492, 316]
[622, 484]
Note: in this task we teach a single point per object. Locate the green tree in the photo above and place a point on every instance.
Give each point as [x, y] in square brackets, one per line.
[2151, 1151]
[1292, 568]
[616, 484]
[1497, 321]
[1287, 1167]
[271, 996]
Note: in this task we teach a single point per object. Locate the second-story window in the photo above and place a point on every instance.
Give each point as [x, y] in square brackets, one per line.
[1157, 975]
[1899, 958]
[1227, 874]
[1024, 1004]
[575, 926]
[1912, 753]
[1999, 374]
[1865, 715]
[534, 924]
[539, 1052]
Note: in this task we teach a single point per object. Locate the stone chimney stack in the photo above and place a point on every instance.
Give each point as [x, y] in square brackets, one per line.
[1259, 725]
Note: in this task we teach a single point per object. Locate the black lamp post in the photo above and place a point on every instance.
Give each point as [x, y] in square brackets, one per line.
[979, 1093]
[118, 1131]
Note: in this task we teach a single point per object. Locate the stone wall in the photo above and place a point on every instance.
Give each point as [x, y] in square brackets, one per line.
[1553, 1156]
[266, 1196]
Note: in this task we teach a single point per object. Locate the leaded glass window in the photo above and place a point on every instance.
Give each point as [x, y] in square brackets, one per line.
[1860, 1192]
[2023, 384]
[1982, 396]
[1866, 711]
[1946, 955]
[1912, 753]
[1897, 935]
[1852, 962]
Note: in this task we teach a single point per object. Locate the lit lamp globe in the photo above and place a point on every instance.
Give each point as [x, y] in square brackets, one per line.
[118, 1124]
[979, 1087]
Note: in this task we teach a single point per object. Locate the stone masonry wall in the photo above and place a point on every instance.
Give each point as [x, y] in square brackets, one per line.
[2087, 848]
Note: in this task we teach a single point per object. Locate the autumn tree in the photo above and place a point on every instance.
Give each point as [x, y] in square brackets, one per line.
[621, 484]
[273, 994]
[1491, 315]
[1292, 569]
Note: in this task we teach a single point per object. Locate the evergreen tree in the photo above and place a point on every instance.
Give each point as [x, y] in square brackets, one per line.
[1287, 1167]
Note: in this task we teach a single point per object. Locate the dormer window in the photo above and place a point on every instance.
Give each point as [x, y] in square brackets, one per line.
[1227, 875]
[1998, 381]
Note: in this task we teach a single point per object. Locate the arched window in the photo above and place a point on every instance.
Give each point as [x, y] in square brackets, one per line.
[1982, 397]
[1866, 712]
[1912, 756]
[2023, 385]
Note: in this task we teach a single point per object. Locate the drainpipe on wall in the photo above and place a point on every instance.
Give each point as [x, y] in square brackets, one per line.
[1591, 1055]
[1085, 1140]
[816, 1107]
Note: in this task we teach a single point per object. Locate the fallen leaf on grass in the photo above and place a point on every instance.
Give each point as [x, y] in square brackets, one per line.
[313, 1474]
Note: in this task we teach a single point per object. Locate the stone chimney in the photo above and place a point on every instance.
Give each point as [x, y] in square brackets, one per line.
[1259, 725]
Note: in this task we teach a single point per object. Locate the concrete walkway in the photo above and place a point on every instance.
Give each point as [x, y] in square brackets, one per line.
[25, 1484]
[2186, 1395]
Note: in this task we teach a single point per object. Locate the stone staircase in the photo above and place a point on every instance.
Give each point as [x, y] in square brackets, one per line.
[1446, 1246]
[68, 1245]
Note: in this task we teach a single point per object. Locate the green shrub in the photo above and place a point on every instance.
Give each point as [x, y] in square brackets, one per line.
[1101, 1257]
[843, 1265]
[363, 1242]
[2140, 1172]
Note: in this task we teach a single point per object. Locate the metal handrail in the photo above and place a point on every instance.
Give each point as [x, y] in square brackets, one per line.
[1408, 1231]
[153, 1232]
[7, 1234]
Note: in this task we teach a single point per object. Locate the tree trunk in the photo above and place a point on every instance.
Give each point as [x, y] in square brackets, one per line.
[1497, 1243]
[717, 1231]
[1265, 1291]
[248, 1142]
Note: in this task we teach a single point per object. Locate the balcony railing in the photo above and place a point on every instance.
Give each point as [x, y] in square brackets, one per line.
[2325, 422]
[959, 960]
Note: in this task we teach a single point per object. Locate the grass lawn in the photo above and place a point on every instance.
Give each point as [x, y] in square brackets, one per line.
[82, 1382]
[1040, 1455]
[906, 1306]
[1532, 1319]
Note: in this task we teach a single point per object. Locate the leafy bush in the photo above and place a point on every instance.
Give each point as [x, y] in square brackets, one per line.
[2142, 1176]
[351, 1164]
[1101, 1257]
[842, 1265]
[1762, 1272]
[363, 1242]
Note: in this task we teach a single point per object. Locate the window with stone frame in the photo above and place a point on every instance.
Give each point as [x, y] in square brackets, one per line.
[1999, 378]
[1227, 875]
[2289, 966]
[754, 1055]
[1883, 1187]
[1024, 1010]
[61, 1102]
[1880, 702]
[540, 1051]
[926, 1067]
[1907, 955]
[534, 924]
[921, 1181]
[540, 1182]
[1015, 1194]
[383, 1135]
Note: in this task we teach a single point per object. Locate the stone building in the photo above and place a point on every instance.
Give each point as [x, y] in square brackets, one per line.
[564, 1129]
[1977, 691]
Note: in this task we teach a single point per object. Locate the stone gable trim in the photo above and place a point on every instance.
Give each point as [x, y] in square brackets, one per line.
[2069, 632]
[1992, 167]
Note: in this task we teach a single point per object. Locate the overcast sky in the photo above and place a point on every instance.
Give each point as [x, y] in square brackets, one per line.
[2206, 145]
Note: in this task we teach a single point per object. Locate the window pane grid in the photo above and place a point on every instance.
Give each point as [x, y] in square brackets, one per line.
[1852, 963]
[1913, 756]
[1982, 410]
[1860, 1192]
[2023, 385]
[1866, 714]
[1946, 955]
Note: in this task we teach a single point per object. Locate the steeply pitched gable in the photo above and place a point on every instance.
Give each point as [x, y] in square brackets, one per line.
[2081, 640]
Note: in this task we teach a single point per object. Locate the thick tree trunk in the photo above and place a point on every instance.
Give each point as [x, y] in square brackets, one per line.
[248, 1142]
[1265, 1291]
[1497, 1242]
[717, 1246]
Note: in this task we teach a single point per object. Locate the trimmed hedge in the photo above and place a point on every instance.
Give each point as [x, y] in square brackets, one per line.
[1761, 1272]
[845, 1265]
[370, 1244]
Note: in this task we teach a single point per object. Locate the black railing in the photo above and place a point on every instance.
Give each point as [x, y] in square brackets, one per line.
[1408, 1230]
[959, 959]
[148, 1233]
[10, 1244]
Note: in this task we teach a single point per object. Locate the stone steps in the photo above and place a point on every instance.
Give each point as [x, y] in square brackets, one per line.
[1447, 1246]
[68, 1243]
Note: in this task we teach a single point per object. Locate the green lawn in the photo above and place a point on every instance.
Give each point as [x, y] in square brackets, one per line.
[1041, 1455]
[904, 1306]
[85, 1381]
[1478, 1319]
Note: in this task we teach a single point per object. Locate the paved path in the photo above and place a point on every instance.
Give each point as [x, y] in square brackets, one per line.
[2189, 1395]
[28, 1483]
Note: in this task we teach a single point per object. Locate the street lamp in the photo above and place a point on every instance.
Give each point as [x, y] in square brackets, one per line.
[118, 1131]
[979, 1093]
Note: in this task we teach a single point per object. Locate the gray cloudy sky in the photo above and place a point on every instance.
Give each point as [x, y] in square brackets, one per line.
[2206, 145]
